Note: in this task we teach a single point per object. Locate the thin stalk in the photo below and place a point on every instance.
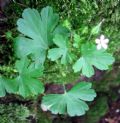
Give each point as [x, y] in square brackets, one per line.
[62, 75]
[50, 71]
[64, 88]
[31, 3]
[35, 3]
[89, 37]
[23, 5]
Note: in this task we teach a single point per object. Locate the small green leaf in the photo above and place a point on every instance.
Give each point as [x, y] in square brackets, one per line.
[84, 30]
[27, 81]
[95, 30]
[6, 85]
[76, 40]
[67, 24]
[92, 57]
[61, 30]
[62, 50]
[71, 102]
[8, 35]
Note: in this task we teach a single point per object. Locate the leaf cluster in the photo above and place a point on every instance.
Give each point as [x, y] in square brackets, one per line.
[43, 39]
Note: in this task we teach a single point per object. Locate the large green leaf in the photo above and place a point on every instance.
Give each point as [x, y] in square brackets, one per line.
[92, 57]
[62, 50]
[27, 80]
[39, 28]
[6, 86]
[71, 102]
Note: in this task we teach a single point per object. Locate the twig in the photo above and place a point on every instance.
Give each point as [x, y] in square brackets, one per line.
[23, 5]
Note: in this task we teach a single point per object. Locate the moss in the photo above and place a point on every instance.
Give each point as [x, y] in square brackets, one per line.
[43, 117]
[13, 113]
[97, 111]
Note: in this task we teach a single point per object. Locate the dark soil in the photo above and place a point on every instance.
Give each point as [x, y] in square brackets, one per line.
[113, 115]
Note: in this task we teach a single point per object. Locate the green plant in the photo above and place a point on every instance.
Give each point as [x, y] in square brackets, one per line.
[58, 103]
[14, 113]
[45, 42]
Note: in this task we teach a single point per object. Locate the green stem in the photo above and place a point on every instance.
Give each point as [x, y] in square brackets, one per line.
[89, 37]
[50, 71]
[20, 4]
[61, 72]
[64, 88]
[30, 3]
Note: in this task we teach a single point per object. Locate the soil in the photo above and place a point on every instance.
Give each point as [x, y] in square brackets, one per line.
[113, 115]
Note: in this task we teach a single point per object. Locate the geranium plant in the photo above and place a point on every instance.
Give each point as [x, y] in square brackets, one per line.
[48, 50]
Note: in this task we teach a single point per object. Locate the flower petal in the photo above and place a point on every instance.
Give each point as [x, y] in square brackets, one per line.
[105, 46]
[99, 46]
[102, 37]
[97, 41]
[44, 107]
[106, 40]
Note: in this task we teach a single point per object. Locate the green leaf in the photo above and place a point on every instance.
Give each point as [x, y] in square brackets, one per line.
[62, 50]
[71, 102]
[61, 30]
[27, 80]
[92, 57]
[39, 28]
[77, 40]
[8, 35]
[95, 30]
[24, 46]
[67, 24]
[85, 30]
[6, 86]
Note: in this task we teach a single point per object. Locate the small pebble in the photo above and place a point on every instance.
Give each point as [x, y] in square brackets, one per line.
[117, 111]
[119, 91]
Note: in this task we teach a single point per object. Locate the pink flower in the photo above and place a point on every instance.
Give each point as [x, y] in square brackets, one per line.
[102, 42]
[44, 107]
